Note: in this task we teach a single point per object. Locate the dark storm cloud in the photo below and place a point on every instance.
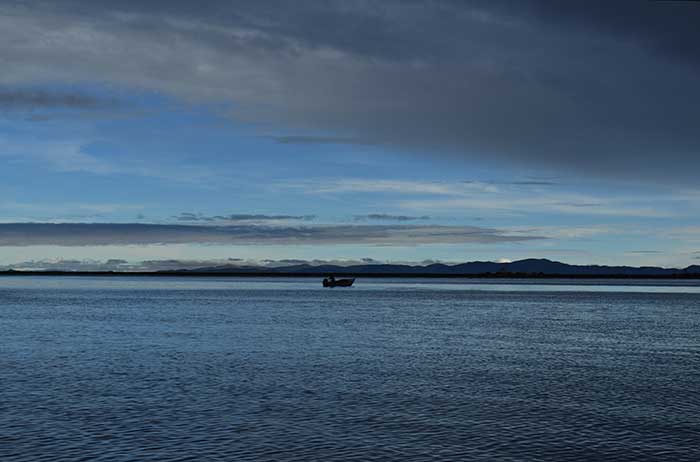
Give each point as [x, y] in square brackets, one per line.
[669, 27]
[595, 88]
[98, 234]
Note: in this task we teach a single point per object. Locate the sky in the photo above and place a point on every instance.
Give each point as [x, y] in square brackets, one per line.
[165, 134]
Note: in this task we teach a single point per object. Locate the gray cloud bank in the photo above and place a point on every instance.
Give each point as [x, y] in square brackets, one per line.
[600, 88]
[99, 234]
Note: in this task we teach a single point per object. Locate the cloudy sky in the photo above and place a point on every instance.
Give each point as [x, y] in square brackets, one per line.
[245, 131]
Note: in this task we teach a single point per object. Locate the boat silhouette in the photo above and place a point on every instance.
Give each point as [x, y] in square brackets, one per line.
[333, 282]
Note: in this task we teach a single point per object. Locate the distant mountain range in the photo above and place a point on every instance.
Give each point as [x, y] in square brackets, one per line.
[531, 266]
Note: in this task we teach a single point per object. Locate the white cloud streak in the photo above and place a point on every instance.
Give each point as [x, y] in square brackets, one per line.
[513, 198]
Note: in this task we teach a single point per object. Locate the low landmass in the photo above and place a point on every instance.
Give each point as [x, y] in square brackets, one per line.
[529, 268]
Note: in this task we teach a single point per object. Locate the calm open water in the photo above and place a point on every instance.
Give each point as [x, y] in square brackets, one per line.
[160, 369]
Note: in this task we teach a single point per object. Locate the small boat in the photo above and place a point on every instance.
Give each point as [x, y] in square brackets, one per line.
[333, 282]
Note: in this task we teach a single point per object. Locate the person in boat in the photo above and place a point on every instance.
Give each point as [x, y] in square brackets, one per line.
[331, 279]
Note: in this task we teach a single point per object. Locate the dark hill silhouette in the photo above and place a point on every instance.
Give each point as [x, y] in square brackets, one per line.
[531, 266]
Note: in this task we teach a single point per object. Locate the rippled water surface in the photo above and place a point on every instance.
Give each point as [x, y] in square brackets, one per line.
[161, 369]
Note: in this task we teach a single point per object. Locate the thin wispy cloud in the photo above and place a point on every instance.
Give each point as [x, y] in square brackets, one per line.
[580, 204]
[72, 156]
[378, 185]
[573, 232]
[42, 99]
[505, 197]
[60, 156]
[305, 139]
[240, 217]
[689, 233]
[389, 217]
[534, 183]
[518, 205]
[529, 181]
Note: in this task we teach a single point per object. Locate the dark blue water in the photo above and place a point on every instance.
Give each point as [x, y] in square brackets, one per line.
[203, 369]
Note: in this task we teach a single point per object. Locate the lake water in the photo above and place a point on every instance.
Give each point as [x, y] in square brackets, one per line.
[166, 369]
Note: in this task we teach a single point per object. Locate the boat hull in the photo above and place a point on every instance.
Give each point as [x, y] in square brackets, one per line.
[338, 283]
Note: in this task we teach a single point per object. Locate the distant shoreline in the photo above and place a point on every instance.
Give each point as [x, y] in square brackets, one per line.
[14, 273]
